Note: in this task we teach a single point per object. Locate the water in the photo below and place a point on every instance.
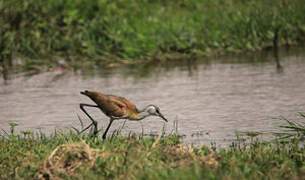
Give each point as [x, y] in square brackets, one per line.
[209, 98]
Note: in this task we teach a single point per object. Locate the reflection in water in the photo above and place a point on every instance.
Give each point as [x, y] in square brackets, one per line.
[209, 98]
[4, 70]
[279, 67]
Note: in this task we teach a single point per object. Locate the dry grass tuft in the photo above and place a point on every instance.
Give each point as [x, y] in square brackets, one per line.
[66, 159]
[209, 160]
[186, 155]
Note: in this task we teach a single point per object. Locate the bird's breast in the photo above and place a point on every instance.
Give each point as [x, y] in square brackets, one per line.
[133, 116]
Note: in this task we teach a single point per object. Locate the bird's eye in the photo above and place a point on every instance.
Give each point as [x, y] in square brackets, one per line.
[157, 110]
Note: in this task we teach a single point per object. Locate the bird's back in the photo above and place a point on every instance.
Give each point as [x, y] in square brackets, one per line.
[112, 106]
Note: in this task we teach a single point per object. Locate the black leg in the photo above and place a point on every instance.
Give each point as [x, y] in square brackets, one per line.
[93, 121]
[104, 135]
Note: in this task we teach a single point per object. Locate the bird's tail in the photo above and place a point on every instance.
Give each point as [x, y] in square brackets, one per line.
[86, 92]
[91, 94]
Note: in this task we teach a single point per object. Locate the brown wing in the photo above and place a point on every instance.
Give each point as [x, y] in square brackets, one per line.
[128, 104]
[122, 106]
[112, 105]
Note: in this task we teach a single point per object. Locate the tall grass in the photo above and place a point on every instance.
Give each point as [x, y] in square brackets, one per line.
[293, 129]
[134, 30]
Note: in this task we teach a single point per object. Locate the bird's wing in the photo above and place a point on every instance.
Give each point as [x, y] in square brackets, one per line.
[118, 107]
[128, 104]
[113, 106]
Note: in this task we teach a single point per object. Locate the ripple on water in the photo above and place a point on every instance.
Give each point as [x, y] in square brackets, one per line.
[210, 98]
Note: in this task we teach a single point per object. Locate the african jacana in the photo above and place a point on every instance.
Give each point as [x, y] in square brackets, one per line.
[115, 108]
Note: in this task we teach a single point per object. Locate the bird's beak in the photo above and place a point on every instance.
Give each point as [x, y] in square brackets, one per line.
[163, 117]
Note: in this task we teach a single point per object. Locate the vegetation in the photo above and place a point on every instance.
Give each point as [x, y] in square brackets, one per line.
[83, 32]
[70, 156]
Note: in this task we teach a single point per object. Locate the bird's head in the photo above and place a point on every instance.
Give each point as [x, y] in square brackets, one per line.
[154, 111]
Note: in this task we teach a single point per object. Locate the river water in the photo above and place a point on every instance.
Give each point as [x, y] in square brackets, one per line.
[210, 99]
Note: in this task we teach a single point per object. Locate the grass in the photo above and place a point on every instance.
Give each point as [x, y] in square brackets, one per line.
[292, 129]
[90, 32]
[70, 156]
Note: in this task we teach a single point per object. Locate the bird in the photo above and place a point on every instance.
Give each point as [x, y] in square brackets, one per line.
[116, 107]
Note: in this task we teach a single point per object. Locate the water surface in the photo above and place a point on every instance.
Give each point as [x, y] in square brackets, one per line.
[209, 98]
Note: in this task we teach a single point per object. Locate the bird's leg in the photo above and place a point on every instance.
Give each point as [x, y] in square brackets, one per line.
[104, 135]
[93, 121]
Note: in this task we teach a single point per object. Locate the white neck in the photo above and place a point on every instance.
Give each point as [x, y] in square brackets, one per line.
[143, 114]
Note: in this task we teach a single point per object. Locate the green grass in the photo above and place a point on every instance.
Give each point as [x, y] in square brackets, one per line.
[90, 32]
[31, 156]
[65, 155]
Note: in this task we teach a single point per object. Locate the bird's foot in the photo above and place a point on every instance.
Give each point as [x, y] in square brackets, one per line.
[95, 130]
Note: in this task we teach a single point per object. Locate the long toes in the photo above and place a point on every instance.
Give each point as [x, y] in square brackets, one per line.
[75, 129]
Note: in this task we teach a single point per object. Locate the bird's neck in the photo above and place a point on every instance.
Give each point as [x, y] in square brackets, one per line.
[143, 114]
